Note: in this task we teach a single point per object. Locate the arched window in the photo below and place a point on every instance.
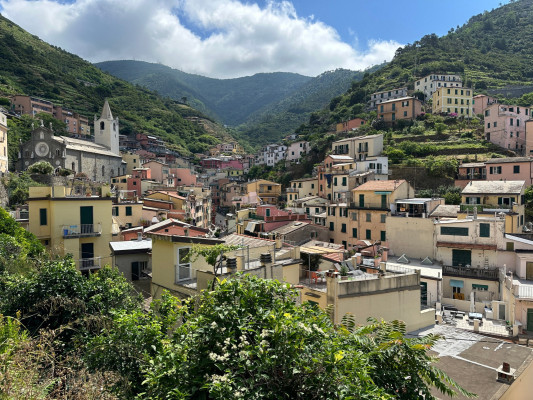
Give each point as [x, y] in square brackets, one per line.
[73, 167]
[41, 135]
[58, 152]
[103, 170]
[26, 154]
[112, 172]
[114, 126]
[102, 125]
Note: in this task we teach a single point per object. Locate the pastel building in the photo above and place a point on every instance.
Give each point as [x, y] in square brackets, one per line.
[351, 125]
[505, 126]
[453, 101]
[359, 147]
[481, 101]
[386, 95]
[404, 108]
[430, 83]
[296, 150]
[300, 188]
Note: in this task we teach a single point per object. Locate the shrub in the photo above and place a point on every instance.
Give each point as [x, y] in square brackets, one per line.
[41, 167]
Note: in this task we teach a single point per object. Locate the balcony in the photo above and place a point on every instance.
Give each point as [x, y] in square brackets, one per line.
[477, 273]
[485, 208]
[370, 206]
[468, 177]
[86, 264]
[81, 231]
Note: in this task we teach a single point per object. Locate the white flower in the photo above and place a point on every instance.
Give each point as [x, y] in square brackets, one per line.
[214, 325]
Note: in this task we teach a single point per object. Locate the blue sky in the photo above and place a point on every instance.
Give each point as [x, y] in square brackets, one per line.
[231, 38]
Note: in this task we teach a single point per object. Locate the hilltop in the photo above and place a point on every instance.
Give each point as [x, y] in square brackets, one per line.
[33, 67]
[261, 108]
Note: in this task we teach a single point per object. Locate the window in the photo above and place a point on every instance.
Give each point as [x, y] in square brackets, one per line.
[405, 113]
[495, 170]
[312, 185]
[383, 236]
[475, 286]
[383, 218]
[511, 121]
[516, 169]
[354, 232]
[368, 234]
[317, 210]
[269, 188]
[450, 230]
[43, 216]
[331, 226]
[368, 217]
[484, 230]
[128, 211]
[343, 228]
[115, 212]
[393, 116]
[354, 216]
[335, 181]
[183, 268]
[361, 200]
[267, 212]
[103, 170]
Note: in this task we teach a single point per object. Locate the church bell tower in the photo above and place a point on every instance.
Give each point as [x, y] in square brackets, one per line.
[106, 130]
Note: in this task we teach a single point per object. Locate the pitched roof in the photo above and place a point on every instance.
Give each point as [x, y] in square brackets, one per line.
[340, 158]
[508, 160]
[244, 240]
[359, 138]
[85, 146]
[106, 111]
[389, 185]
[445, 210]
[493, 187]
[127, 246]
[400, 99]
[290, 227]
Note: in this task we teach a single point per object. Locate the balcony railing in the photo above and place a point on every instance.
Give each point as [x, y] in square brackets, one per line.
[86, 264]
[370, 206]
[485, 207]
[255, 216]
[479, 273]
[83, 230]
[463, 177]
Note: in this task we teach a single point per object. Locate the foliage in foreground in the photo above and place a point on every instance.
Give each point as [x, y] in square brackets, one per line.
[249, 339]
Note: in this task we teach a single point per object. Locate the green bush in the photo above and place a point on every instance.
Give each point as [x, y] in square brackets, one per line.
[41, 167]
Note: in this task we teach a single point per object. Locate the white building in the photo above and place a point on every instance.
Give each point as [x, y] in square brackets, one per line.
[271, 154]
[386, 95]
[429, 84]
[296, 150]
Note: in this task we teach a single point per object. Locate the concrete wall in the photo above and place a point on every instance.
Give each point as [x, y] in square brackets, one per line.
[522, 387]
[412, 236]
[493, 292]
[123, 262]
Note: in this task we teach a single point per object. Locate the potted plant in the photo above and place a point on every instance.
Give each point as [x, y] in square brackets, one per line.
[344, 272]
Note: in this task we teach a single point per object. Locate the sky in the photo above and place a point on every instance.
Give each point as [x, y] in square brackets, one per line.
[233, 38]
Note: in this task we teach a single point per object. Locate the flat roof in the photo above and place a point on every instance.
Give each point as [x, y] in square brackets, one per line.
[508, 160]
[493, 187]
[420, 200]
[127, 246]
[433, 271]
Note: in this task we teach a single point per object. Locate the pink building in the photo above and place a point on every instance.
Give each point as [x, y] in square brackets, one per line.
[183, 177]
[143, 173]
[159, 170]
[505, 126]
[481, 102]
[497, 169]
[134, 183]
[350, 125]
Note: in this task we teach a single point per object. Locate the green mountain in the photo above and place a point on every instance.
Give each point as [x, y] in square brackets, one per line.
[262, 108]
[230, 100]
[32, 67]
[492, 52]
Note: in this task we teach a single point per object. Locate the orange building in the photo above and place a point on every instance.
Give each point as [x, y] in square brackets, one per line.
[405, 108]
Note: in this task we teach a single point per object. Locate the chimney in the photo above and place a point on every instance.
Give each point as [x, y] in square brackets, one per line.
[240, 262]
[279, 242]
[265, 259]
[186, 230]
[231, 264]
[139, 236]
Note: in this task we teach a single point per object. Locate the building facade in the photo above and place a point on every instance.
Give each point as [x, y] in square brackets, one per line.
[429, 84]
[453, 101]
[403, 108]
[505, 126]
[381, 97]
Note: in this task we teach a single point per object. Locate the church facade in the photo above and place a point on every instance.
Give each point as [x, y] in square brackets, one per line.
[99, 160]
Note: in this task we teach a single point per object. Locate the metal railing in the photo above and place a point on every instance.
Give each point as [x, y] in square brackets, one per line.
[481, 273]
[484, 207]
[370, 206]
[82, 230]
[472, 176]
[524, 292]
[89, 263]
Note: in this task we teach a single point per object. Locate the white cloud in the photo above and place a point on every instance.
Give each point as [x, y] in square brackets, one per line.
[240, 38]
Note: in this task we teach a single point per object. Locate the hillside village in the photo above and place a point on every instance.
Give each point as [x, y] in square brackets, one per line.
[351, 231]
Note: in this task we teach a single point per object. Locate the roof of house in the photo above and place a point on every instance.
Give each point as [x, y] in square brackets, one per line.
[131, 246]
[85, 146]
[340, 158]
[171, 194]
[359, 138]
[400, 99]
[389, 185]
[249, 241]
[305, 179]
[445, 210]
[472, 360]
[493, 187]
[508, 160]
[290, 227]
[472, 165]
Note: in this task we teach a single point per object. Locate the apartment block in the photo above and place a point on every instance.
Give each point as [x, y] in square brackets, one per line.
[359, 147]
[349, 126]
[453, 101]
[386, 95]
[431, 83]
[296, 150]
[403, 108]
[505, 126]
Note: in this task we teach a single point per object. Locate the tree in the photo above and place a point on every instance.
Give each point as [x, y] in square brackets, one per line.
[41, 167]
[248, 338]
[440, 127]
[214, 255]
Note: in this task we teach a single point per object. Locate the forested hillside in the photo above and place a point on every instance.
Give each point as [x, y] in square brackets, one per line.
[32, 67]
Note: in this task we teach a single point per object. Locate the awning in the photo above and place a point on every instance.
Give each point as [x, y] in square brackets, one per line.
[251, 226]
[456, 283]
[382, 192]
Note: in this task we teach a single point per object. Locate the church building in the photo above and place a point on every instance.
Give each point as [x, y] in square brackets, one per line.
[99, 160]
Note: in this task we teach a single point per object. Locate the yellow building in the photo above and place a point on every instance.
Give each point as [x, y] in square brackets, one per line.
[3, 144]
[120, 182]
[489, 197]
[172, 271]
[179, 202]
[300, 188]
[358, 147]
[268, 191]
[365, 217]
[70, 223]
[128, 214]
[453, 100]
[133, 161]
